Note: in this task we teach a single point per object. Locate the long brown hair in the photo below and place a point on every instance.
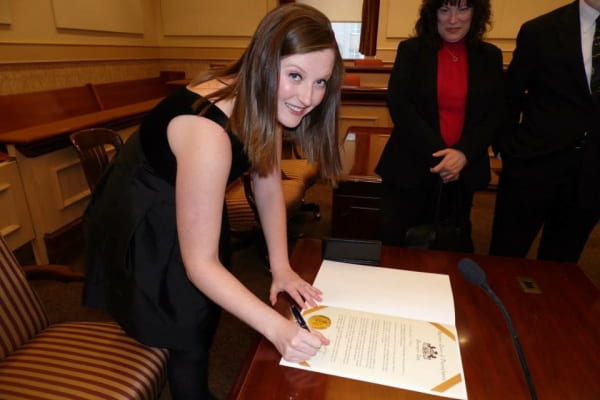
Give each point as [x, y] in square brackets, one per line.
[287, 30]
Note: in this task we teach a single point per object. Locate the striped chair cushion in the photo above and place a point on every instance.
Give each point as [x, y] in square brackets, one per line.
[301, 170]
[83, 360]
[241, 216]
[21, 312]
[293, 193]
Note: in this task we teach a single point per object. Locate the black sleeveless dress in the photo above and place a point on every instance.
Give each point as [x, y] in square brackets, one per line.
[133, 260]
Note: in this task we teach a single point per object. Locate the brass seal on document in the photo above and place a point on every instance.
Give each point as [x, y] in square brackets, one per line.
[319, 322]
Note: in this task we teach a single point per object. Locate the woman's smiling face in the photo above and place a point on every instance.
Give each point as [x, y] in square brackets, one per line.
[302, 85]
[454, 22]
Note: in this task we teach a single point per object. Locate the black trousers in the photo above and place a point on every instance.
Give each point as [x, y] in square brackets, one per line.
[525, 203]
[403, 208]
[187, 370]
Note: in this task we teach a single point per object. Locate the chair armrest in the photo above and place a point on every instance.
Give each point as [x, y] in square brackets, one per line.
[60, 273]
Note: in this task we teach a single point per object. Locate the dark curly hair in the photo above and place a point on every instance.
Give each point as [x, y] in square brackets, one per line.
[426, 26]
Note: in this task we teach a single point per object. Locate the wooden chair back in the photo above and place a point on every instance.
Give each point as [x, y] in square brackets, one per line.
[365, 143]
[91, 147]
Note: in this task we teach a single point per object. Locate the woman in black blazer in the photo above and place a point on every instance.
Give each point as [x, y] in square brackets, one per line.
[445, 99]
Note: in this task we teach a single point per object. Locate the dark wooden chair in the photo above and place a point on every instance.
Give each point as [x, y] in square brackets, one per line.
[356, 204]
[91, 147]
[368, 143]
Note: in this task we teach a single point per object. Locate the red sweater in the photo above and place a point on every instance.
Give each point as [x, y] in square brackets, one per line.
[452, 84]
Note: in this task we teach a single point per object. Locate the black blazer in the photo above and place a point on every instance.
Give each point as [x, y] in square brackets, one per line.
[547, 85]
[546, 82]
[412, 98]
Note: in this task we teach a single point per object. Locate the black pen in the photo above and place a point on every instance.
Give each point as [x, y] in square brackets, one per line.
[299, 318]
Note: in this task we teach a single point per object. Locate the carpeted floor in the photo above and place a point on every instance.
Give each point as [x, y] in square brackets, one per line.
[233, 338]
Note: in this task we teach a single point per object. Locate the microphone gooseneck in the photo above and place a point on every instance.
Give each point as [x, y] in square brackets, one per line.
[471, 271]
[475, 275]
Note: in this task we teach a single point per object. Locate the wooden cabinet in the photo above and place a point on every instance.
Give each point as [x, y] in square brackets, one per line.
[356, 203]
[15, 220]
[55, 190]
[356, 209]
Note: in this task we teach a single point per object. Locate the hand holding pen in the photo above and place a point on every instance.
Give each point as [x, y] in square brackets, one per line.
[298, 316]
[301, 344]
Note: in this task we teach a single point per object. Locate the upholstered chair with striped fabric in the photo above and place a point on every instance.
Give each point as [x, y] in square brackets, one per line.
[295, 167]
[242, 212]
[301, 170]
[71, 360]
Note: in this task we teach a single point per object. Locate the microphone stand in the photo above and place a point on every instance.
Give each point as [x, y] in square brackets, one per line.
[516, 341]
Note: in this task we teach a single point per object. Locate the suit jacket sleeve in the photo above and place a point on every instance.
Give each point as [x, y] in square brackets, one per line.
[517, 75]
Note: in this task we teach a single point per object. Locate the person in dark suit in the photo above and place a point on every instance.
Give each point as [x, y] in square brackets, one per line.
[550, 142]
[445, 100]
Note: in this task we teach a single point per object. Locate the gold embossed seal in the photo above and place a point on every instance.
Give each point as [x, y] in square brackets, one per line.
[319, 322]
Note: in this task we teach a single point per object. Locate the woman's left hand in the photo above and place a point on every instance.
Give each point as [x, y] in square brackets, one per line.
[453, 162]
[286, 280]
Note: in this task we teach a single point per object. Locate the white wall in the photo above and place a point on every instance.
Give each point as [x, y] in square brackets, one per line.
[338, 10]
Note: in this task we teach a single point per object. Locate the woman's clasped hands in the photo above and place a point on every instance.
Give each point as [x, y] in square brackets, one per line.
[452, 163]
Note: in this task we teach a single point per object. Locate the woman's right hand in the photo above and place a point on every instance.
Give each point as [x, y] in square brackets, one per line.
[452, 163]
[296, 344]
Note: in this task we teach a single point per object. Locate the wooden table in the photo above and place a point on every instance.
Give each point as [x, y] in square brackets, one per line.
[559, 330]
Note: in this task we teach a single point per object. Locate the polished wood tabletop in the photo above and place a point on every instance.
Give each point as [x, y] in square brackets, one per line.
[554, 306]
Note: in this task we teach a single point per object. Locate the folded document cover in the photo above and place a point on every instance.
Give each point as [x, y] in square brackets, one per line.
[387, 326]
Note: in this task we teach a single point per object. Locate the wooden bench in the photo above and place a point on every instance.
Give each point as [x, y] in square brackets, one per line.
[30, 109]
[37, 108]
[118, 94]
[35, 135]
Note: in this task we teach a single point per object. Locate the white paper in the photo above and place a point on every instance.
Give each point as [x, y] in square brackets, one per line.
[403, 293]
[387, 326]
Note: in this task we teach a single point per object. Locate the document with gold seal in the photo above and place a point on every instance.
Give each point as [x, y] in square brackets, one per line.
[387, 326]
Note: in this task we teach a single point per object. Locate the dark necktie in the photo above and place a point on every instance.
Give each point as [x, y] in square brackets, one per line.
[595, 78]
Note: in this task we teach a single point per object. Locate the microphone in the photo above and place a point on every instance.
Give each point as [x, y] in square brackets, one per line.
[475, 275]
